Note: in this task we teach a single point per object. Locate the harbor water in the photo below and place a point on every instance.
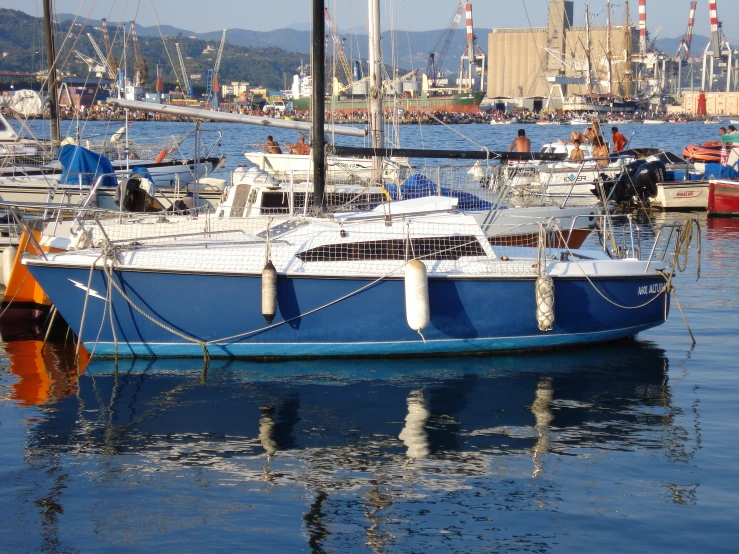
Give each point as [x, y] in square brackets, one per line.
[622, 447]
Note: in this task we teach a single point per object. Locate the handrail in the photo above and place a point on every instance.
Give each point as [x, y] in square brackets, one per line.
[26, 231]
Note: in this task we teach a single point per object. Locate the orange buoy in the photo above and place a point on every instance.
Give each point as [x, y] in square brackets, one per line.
[161, 156]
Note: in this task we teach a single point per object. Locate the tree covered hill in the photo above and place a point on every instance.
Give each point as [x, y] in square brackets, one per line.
[23, 49]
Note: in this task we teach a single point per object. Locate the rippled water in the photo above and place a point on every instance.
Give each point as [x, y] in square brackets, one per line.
[626, 447]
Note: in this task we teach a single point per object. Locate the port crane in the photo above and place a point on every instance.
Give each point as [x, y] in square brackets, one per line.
[93, 65]
[104, 61]
[435, 61]
[140, 65]
[687, 41]
[473, 55]
[339, 44]
[722, 54]
[212, 85]
[185, 82]
[109, 57]
[683, 52]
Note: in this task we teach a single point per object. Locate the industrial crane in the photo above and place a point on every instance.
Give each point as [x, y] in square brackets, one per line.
[687, 42]
[721, 49]
[436, 57]
[339, 44]
[473, 54]
[212, 86]
[185, 82]
[93, 65]
[110, 58]
[140, 65]
[103, 59]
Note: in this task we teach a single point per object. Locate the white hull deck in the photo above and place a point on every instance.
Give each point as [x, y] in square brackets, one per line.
[300, 167]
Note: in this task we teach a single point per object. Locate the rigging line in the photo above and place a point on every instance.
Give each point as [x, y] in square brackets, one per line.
[159, 30]
[533, 36]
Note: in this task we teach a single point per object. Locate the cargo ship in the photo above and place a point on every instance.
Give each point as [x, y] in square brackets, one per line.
[464, 102]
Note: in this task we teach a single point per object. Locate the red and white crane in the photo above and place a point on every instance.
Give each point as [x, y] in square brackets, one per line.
[686, 42]
[643, 26]
[473, 54]
[715, 29]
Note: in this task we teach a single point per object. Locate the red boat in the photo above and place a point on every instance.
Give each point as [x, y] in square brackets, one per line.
[723, 198]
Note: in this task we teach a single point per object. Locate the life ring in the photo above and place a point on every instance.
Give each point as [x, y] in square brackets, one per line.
[161, 156]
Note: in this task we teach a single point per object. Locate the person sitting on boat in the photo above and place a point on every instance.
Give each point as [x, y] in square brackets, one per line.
[600, 151]
[521, 143]
[271, 146]
[731, 130]
[722, 131]
[576, 154]
[591, 132]
[619, 141]
[299, 147]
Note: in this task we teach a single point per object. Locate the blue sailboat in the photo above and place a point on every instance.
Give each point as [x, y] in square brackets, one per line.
[410, 278]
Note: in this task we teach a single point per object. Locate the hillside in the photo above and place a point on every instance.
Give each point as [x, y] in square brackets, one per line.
[413, 54]
[21, 37]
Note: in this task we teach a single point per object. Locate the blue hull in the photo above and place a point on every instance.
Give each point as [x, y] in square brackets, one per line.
[467, 316]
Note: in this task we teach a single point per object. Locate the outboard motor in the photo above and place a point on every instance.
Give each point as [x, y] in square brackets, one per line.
[624, 184]
[647, 177]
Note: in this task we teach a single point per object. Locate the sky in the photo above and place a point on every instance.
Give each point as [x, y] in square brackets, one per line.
[412, 15]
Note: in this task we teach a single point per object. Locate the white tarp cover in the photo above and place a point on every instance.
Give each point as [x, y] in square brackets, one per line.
[27, 103]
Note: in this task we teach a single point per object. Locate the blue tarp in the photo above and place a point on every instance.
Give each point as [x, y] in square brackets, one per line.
[142, 172]
[718, 171]
[418, 186]
[77, 161]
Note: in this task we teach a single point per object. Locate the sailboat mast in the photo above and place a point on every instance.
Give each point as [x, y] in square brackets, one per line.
[318, 106]
[627, 27]
[608, 46]
[375, 83]
[51, 55]
[587, 48]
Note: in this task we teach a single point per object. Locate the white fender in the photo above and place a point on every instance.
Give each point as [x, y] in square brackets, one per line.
[417, 311]
[269, 292]
[545, 302]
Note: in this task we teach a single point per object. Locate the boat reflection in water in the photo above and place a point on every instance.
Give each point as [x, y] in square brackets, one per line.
[366, 442]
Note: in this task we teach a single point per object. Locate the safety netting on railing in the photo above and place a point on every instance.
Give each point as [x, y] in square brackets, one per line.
[453, 244]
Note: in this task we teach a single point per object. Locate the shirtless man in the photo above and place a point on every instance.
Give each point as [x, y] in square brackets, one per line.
[576, 154]
[271, 146]
[299, 147]
[521, 144]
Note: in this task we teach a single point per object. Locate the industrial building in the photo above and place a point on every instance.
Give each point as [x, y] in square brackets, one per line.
[525, 63]
[717, 103]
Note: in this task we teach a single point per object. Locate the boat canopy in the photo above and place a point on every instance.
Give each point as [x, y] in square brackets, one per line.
[81, 166]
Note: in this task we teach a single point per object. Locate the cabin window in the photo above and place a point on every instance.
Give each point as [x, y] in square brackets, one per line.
[428, 248]
[3, 127]
[275, 202]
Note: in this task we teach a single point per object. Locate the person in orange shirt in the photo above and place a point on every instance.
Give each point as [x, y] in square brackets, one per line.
[619, 141]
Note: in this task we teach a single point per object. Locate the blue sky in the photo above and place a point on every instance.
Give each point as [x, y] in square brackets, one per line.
[414, 15]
